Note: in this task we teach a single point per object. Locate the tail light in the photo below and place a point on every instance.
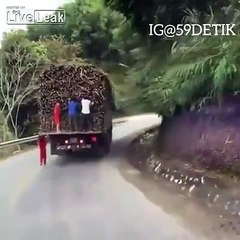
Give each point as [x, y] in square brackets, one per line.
[81, 141]
[93, 139]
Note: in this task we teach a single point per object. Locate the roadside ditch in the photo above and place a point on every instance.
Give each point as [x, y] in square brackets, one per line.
[210, 190]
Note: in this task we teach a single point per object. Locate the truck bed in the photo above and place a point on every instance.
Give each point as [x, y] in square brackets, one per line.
[68, 133]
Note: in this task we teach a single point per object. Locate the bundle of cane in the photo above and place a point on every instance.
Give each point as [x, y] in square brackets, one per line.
[59, 83]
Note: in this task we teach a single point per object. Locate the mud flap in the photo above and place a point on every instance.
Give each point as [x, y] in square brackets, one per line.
[53, 148]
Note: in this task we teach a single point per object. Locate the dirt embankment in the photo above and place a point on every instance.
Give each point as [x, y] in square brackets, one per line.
[210, 138]
[193, 151]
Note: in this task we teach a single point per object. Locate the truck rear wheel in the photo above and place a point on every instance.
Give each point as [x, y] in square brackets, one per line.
[110, 135]
[107, 148]
[108, 141]
[99, 152]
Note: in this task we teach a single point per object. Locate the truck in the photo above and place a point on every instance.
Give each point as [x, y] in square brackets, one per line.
[58, 84]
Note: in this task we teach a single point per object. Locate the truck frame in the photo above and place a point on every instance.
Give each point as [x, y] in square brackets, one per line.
[63, 143]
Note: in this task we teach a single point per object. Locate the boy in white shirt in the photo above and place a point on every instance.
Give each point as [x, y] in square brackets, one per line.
[86, 117]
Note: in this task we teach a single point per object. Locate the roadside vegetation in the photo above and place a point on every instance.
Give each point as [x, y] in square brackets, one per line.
[176, 77]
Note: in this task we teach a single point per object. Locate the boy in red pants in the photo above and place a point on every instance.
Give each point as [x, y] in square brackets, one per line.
[42, 143]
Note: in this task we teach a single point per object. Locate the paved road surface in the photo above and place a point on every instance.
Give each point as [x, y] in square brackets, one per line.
[81, 200]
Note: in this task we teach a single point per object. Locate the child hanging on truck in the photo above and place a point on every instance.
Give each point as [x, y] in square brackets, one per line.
[86, 113]
[56, 116]
[42, 144]
[72, 114]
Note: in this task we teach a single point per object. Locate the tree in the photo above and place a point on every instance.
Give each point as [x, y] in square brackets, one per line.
[58, 50]
[19, 65]
[104, 34]
[144, 12]
[74, 11]
[101, 34]
[198, 68]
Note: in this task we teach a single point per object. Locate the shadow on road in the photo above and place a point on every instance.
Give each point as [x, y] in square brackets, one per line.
[76, 158]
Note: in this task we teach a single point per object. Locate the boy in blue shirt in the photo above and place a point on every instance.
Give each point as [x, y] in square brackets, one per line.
[72, 114]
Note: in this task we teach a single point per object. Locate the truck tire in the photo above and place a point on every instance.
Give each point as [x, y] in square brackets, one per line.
[99, 152]
[110, 135]
[107, 148]
[108, 141]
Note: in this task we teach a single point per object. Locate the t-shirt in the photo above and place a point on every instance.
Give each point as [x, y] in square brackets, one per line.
[85, 106]
[72, 109]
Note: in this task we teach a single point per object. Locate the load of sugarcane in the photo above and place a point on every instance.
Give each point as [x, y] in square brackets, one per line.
[61, 82]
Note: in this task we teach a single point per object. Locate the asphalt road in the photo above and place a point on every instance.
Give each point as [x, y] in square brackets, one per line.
[76, 199]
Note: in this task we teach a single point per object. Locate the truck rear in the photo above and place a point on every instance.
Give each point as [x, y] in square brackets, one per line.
[58, 84]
